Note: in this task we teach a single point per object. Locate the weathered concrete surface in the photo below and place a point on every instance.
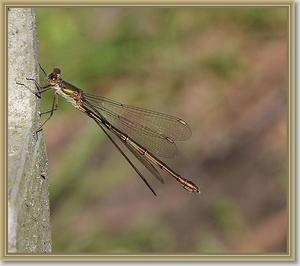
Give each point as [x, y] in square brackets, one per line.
[28, 227]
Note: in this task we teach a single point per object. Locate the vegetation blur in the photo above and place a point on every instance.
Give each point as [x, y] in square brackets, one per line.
[224, 71]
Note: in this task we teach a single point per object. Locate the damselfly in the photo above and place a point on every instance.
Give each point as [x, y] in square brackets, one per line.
[147, 134]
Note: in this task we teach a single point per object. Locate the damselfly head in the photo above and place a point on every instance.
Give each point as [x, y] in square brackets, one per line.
[53, 77]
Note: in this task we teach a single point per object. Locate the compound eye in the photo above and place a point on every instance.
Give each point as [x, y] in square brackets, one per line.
[54, 76]
[56, 71]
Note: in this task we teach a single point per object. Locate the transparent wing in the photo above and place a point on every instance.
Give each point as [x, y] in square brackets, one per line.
[154, 131]
[145, 162]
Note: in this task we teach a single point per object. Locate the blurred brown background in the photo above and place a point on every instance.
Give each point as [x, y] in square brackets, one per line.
[224, 71]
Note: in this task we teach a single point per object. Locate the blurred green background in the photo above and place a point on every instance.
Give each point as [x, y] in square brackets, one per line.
[224, 71]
